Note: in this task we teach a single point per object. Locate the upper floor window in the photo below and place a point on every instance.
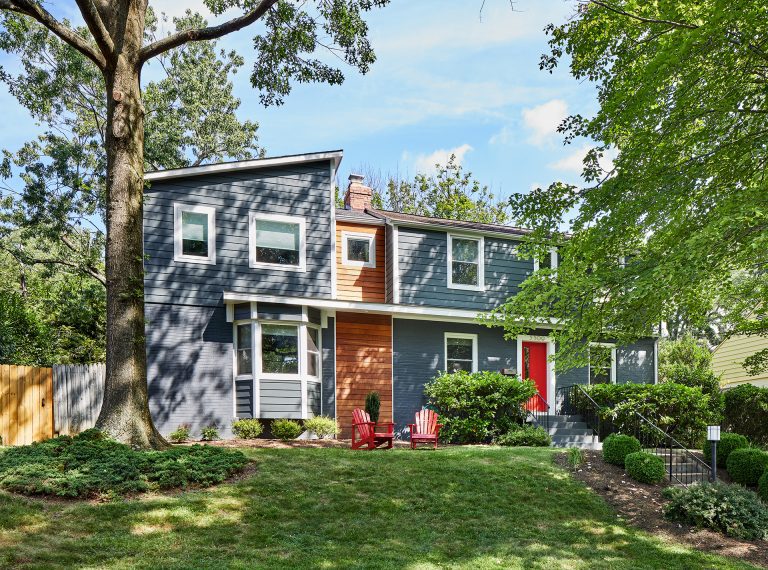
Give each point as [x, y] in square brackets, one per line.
[194, 233]
[602, 364]
[358, 249]
[548, 261]
[460, 352]
[465, 262]
[277, 241]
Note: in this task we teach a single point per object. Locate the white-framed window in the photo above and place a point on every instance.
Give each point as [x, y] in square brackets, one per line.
[465, 262]
[602, 363]
[243, 349]
[313, 352]
[277, 241]
[358, 249]
[460, 352]
[194, 233]
[547, 262]
[279, 349]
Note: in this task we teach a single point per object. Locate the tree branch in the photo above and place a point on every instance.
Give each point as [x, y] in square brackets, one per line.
[643, 19]
[96, 26]
[37, 12]
[200, 34]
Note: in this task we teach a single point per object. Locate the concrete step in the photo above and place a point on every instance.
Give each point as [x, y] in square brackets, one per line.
[567, 425]
[582, 444]
[570, 431]
[560, 418]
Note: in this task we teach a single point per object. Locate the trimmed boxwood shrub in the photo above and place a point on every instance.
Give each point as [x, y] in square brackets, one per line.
[286, 429]
[476, 407]
[728, 442]
[746, 466]
[248, 428]
[731, 509]
[746, 412]
[322, 426]
[617, 446]
[645, 467]
[525, 436]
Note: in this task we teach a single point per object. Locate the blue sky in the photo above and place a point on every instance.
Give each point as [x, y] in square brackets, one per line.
[446, 80]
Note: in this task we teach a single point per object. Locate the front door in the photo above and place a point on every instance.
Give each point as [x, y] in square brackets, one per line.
[535, 368]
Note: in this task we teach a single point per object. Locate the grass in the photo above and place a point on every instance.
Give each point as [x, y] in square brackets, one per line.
[334, 508]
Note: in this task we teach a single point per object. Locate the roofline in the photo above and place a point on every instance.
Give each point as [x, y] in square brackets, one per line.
[334, 156]
[524, 234]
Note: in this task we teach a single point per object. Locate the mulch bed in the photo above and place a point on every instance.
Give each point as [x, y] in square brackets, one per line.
[640, 505]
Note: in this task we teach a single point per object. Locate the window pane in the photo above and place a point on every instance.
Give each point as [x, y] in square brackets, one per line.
[464, 249]
[194, 234]
[459, 348]
[280, 349]
[313, 352]
[358, 249]
[277, 242]
[464, 273]
[545, 262]
[244, 352]
[456, 365]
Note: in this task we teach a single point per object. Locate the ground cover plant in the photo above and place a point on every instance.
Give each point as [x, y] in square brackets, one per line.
[525, 436]
[746, 466]
[617, 446]
[463, 507]
[645, 467]
[90, 464]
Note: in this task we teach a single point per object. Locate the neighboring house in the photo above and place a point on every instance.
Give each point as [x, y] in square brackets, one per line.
[728, 357]
[265, 300]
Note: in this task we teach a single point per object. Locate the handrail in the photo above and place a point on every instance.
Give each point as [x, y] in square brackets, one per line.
[536, 414]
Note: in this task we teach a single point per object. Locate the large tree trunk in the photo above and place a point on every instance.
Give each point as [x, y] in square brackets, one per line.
[125, 411]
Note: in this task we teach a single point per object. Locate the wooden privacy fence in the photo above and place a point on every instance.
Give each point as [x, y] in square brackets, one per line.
[38, 403]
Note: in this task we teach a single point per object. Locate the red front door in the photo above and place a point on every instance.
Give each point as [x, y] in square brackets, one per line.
[535, 368]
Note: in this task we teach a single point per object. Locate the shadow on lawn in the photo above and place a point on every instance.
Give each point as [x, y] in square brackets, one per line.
[330, 508]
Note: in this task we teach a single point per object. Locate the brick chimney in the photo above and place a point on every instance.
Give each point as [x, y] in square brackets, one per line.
[358, 196]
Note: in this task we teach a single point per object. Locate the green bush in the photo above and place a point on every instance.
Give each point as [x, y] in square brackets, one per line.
[728, 442]
[322, 426]
[91, 465]
[617, 446]
[688, 361]
[746, 466]
[210, 433]
[746, 412]
[730, 509]
[373, 406]
[681, 411]
[645, 467]
[475, 407]
[525, 436]
[180, 435]
[286, 429]
[575, 457]
[247, 428]
[762, 486]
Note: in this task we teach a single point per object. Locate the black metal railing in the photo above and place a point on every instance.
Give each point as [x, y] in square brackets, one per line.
[682, 465]
[537, 410]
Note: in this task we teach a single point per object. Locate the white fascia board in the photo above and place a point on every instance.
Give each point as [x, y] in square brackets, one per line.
[334, 156]
[459, 230]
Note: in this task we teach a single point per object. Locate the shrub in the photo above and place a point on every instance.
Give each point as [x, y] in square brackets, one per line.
[617, 446]
[210, 433]
[91, 465]
[746, 412]
[322, 426]
[681, 411]
[373, 405]
[746, 466]
[688, 361]
[728, 442]
[726, 508]
[247, 428]
[575, 457]
[286, 429]
[645, 467]
[180, 434]
[476, 407]
[525, 436]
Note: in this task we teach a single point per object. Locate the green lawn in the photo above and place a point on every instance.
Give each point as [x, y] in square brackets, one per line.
[334, 508]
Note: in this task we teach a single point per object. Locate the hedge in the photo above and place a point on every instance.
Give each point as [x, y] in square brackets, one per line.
[746, 412]
[728, 443]
[746, 466]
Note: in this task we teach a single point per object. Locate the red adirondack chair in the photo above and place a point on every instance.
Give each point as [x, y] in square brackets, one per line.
[370, 434]
[426, 429]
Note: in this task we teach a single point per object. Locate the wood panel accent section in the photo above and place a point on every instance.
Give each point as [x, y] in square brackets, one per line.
[360, 283]
[26, 404]
[363, 364]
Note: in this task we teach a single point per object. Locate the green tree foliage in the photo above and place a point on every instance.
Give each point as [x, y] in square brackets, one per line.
[677, 223]
[687, 361]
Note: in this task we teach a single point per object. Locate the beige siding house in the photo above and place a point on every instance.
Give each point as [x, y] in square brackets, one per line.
[728, 357]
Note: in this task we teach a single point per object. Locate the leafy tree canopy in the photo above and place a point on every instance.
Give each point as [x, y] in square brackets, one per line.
[679, 222]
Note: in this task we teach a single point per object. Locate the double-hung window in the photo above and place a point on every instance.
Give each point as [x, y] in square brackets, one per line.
[460, 352]
[465, 262]
[602, 364]
[358, 249]
[194, 234]
[277, 241]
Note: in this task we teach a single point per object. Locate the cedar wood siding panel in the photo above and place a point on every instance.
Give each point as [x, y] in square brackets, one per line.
[363, 364]
[329, 369]
[423, 271]
[354, 283]
[296, 190]
[389, 294]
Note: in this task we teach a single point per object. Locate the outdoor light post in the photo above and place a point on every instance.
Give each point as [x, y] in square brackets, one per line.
[713, 436]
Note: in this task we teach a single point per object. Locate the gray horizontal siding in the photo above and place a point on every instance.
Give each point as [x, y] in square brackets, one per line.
[423, 271]
[244, 398]
[299, 190]
[635, 362]
[329, 369]
[242, 311]
[278, 312]
[280, 398]
[314, 398]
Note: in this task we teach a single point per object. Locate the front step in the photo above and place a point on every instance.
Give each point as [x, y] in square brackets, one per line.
[580, 441]
[569, 431]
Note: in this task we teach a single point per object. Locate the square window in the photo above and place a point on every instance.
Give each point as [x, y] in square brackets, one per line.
[358, 249]
[279, 349]
[277, 241]
[460, 352]
[194, 234]
[465, 262]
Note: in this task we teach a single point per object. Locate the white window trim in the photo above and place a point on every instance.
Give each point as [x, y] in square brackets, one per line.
[371, 238]
[448, 335]
[301, 342]
[178, 254]
[552, 258]
[480, 263]
[613, 360]
[253, 217]
[319, 330]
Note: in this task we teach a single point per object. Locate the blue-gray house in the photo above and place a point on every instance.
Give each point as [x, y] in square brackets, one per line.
[265, 300]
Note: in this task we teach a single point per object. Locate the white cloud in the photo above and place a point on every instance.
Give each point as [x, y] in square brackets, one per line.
[425, 163]
[504, 136]
[542, 121]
